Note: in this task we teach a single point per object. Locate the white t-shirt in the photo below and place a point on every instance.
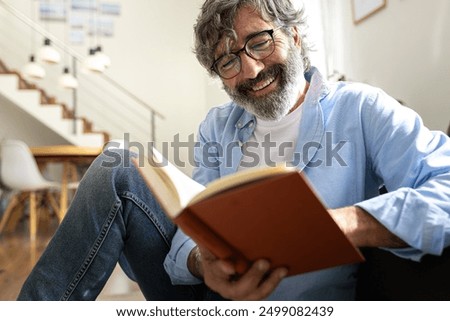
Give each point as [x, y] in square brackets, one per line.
[272, 142]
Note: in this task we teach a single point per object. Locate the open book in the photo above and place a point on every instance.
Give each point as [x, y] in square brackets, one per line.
[269, 213]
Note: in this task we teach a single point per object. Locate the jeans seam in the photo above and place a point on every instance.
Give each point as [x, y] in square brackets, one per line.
[135, 199]
[93, 252]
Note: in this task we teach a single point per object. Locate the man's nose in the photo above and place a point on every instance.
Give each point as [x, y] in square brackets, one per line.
[250, 67]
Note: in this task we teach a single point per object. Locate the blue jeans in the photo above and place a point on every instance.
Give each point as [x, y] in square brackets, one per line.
[112, 218]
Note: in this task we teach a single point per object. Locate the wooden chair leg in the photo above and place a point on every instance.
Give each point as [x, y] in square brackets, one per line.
[17, 213]
[14, 209]
[43, 211]
[7, 214]
[53, 204]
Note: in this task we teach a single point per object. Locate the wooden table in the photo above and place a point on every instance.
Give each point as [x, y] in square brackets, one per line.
[70, 157]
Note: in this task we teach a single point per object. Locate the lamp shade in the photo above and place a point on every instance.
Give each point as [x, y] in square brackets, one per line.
[93, 62]
[33, 70]
[104, 59]
[67, 80]
[49, 54]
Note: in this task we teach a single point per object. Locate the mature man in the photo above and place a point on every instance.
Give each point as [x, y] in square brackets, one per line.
[259, 49]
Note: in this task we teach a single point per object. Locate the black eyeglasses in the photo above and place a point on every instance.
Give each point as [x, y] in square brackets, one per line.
[258, 46]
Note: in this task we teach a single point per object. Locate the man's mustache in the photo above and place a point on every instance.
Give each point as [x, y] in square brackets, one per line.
[271, 72]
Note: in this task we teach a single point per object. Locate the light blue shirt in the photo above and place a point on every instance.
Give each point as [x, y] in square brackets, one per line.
[353, 138]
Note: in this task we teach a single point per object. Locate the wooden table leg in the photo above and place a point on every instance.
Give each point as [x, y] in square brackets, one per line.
[69, 175]
[63, 198]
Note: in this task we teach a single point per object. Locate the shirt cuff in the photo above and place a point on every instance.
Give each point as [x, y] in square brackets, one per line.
[421, 225]
[175, 263]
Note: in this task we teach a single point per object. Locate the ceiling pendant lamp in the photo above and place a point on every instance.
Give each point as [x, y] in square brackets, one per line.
[67, 80]
[104, 59]
[33, 70]
[93, 62]
[49, 54]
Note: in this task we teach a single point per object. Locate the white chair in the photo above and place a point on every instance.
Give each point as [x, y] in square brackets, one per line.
[20, 173]
[4, 192]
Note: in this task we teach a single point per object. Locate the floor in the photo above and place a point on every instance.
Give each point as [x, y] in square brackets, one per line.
[18, 256]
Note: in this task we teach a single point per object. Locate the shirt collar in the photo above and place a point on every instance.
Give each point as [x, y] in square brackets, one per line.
[318, 87]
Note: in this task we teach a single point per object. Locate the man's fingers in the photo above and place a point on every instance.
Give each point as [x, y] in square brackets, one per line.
[252, 278]
[256, 283]
[268, 285]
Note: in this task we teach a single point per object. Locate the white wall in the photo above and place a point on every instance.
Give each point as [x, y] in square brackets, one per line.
[152, 56]
[404, 49]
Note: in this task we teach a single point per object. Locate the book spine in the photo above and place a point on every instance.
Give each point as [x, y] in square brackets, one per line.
[205, 237]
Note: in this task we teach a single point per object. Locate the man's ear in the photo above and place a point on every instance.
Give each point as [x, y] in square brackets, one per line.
[296, 36]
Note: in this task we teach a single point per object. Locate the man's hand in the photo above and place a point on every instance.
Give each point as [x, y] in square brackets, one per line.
[220, 276]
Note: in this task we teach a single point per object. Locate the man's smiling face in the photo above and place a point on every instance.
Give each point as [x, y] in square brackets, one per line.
[271, 87]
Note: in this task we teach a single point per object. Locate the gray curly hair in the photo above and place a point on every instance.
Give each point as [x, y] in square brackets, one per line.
[216, 20]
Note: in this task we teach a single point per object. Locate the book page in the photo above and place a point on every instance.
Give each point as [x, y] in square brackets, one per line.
[183, 185]
[172, 188]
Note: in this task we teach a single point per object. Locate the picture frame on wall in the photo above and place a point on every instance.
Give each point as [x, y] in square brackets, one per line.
[84, 5]
[362, 9]
[54, 10]
[110, 8]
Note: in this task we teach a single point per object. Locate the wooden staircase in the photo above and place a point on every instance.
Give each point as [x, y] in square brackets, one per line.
[52, 113]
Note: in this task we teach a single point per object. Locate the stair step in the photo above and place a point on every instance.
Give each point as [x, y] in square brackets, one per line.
[54, 112]
[50, 114]
[9, 82]
[67, 125]
[26, 99]
[90, 140]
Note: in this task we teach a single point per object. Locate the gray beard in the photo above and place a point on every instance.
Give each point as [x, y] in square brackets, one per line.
[275, 105]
